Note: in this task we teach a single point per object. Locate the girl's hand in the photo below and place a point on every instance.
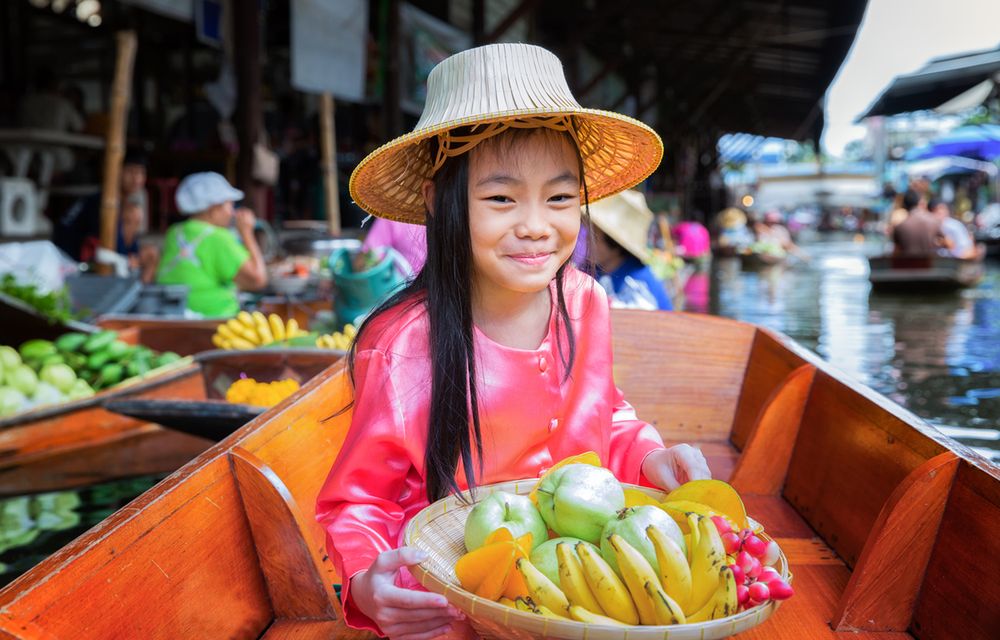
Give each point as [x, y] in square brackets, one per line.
[672, 467]
[402, 614]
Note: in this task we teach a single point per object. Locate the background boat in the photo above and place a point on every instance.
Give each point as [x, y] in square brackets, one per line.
[937, 273]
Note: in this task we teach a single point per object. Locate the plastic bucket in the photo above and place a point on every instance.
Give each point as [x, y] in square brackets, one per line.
[359, 293]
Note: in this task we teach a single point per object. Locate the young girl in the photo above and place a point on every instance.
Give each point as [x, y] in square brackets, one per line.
[495, 362]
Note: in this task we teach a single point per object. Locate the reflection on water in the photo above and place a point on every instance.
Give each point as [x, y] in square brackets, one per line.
[938, 356]
[33, 527]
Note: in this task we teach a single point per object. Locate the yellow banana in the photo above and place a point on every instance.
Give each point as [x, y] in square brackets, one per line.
[524, 604]
[262, 327]
[606, 586]
[240, 343]
[350, 331]
[225, 332]
[692, 521]
[572, 581]
[675, 572]
[582, 615]
[542, 590]
[241, 330]
[542, 610]
[220, 342]
[666, 610]
[707, 558]
[245, 318]
[292, 328]
[507, 602]
[723, 601]
[636, 572]
[277, 327]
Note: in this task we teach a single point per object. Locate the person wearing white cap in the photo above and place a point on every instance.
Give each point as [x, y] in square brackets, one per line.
[495, 361]
[203, 254]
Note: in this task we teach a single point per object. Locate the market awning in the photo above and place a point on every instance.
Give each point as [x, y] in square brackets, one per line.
[938, 82]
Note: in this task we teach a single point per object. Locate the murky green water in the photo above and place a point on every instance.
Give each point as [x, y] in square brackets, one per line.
[937, 355]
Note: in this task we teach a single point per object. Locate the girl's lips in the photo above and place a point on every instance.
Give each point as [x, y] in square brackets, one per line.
[530, 259]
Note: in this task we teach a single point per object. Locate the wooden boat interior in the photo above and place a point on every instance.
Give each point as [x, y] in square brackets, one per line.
[185, 337]
[885, 522]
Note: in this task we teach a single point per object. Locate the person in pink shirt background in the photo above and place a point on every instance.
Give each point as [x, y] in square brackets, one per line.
[692, 239]
[495, 362]
[410, 240]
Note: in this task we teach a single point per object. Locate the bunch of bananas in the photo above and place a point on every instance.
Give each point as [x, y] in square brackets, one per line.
[252, 330]
[337, 339]
[680, 591]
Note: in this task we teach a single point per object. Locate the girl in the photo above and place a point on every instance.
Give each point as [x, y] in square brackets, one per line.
[513, 340]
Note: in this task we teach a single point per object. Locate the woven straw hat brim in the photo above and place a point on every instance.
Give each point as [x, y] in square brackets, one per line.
[618, 152]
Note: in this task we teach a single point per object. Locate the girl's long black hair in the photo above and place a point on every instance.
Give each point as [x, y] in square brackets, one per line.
[444, 287]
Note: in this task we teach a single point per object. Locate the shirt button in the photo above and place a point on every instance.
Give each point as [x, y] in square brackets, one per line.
[553, 424]
[543, 364]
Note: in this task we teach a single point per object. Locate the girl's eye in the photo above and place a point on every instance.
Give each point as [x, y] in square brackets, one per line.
[500, 199]
[562, 197]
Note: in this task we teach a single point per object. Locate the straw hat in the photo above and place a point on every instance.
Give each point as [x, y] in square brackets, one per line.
[497, 87]
[625, 218]
[731, 217]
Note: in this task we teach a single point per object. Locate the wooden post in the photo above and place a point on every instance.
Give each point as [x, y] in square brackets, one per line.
[328, 148]
[114, 148]
[249, 114]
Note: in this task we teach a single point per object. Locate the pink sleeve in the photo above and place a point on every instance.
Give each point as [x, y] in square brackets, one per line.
[357, 505]
[631, 441]
[380, 235]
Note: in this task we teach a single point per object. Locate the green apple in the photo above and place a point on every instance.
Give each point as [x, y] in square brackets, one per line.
[501, 509]
[630, 524]
[544, 557]
[578, 499]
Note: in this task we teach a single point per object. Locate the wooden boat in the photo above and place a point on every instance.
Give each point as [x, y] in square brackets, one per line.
[923, 274]
[889, 526]
[186, 337]
[755, 261]
[83, 442]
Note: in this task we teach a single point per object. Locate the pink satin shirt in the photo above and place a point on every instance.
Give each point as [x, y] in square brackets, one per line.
[531, 416]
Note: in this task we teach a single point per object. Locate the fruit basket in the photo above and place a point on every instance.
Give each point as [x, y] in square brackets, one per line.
[439, 529]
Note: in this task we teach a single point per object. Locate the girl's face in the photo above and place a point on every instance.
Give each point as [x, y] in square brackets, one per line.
[524, 212]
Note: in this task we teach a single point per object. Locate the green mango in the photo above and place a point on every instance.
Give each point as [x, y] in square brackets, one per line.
[97, 360]
[37, 349]
[69, 342]
[99, 341]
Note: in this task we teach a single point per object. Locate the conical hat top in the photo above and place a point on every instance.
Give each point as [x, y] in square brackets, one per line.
[491, 89]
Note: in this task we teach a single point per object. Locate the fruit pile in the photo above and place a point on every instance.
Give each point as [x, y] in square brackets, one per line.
[254, 330]
[618, 557]
[74, 366]
[260, 394]
[337, 339]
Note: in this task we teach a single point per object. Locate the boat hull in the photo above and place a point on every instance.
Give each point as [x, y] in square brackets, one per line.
[905, 274]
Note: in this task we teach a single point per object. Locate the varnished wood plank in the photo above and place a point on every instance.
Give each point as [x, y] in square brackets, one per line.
[721, 457]
[808, 551]
[884, 585]
[847, 462]
[770, 362]
[779, 518]
[961, 594]
[684, 402]
[768, 452]
[295, 580]
[314, 630]
[806, 616]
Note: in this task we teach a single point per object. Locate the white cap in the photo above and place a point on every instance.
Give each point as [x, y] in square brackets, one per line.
[199, 191]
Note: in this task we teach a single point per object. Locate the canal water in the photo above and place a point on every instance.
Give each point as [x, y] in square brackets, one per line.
[939, 356]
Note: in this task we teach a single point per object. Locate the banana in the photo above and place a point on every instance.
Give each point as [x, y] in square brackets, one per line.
[221, 342]
[675, 572]
[692, 520]
[723, 601]
[243, 331]
[526, 605]
[636, 571]
[507, 602]
[707, 558]
[225, 332]
[666, 610]
[277, 327]
[572, 581]
[350, 331]
[292, 328]
[542, 590]
[245, 319]
[542, 610]
[240, 343]
[262, 327]
[606, 586]
[582, 615]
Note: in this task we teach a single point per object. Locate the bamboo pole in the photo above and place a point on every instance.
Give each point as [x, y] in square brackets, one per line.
[114, 149]
[328, 148]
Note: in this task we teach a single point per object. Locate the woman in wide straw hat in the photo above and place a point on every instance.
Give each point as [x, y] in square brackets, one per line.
[621, 253]
[495, 361]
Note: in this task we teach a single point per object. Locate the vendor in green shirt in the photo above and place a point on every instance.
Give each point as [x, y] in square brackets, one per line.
[202, 253]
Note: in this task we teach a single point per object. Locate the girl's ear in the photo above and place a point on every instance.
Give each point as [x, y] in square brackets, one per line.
[428, 190]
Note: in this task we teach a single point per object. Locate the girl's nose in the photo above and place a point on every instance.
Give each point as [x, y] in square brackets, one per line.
[534, 223]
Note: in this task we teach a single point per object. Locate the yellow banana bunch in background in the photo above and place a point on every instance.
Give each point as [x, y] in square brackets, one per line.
[252, 330]
[338, 340]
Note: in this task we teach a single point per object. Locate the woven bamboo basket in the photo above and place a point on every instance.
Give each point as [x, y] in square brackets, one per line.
[439, 530]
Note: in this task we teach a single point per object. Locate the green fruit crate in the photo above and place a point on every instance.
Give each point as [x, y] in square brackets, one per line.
[439, 530]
